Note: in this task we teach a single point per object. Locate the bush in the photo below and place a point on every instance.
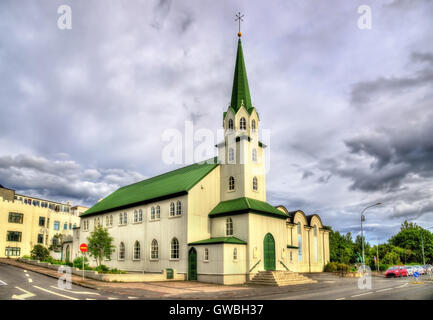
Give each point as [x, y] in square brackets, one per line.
[102, 268]
[78, 262]
[383, 267]
[26, 257]
[331, 267]
[342, 267]
[39, 252]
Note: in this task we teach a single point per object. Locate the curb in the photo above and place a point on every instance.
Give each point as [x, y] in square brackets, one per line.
[84, 285]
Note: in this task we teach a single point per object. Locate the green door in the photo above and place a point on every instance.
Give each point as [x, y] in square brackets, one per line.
[67, 253]
[192, 264]
[269, 252]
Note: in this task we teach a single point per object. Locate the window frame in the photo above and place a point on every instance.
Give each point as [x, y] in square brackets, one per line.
[243, 124]
[174, 249]
[255, 184]
[122, 251]
[154, 248]
[229, 227]
[16, 217]
[136, 247]
[231, 183]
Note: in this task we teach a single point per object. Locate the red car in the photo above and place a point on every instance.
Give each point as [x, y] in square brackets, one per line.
[396, 272]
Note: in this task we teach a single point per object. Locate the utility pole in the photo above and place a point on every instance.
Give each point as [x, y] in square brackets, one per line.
[362, 233]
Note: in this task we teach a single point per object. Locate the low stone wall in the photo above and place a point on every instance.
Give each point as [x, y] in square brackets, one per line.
[108, 277]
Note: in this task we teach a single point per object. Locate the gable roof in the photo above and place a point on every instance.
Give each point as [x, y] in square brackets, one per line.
[164, 186]
[219, 240]
[246, 205]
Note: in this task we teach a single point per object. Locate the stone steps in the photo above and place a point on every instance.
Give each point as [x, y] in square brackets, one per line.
[279, 278]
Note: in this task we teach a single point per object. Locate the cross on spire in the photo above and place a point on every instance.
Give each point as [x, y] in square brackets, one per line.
[239, 19]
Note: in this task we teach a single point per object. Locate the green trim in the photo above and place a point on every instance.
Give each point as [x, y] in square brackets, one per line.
[292, 247]
[219, 240]
[246, 205]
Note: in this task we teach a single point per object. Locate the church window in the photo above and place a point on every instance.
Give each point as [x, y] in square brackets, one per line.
[172, 209]
[135, 216]
[255, 185]
[154, 254]
[235, 254]
[137, 251]
[107, 221]
[254, 155]
[174, 249]
[111, 220]
[206, 254]
[231, 155]
[178, 208]
[121, 218]
[121, 251]
[243, 124]
[230, 124]
[253, 125]
[152, 213]
[158, 212]
[140, 215]
[299, 242]
[229, 227]
[231, 183]
[125, 218]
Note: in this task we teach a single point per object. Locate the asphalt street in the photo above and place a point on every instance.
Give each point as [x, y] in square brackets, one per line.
[21, 284]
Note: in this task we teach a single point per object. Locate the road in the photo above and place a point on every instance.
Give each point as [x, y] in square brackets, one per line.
[334, 288]
[21, 284]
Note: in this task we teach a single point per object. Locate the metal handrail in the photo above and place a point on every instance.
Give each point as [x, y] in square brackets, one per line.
[255, 265]
[284, 265]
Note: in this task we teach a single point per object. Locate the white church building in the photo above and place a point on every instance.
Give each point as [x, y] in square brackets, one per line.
[210, 221]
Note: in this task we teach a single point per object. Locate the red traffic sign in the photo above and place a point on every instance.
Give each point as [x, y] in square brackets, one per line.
[83, 247]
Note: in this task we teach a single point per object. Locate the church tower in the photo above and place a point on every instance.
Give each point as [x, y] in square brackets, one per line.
[241, 154]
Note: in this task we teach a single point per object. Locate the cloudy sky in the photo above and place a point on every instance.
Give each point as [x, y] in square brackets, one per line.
[349, 110]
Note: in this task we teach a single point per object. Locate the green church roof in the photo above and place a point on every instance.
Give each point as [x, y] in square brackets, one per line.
[219, 240]
[246, 205]
[164, 186]
[241, 90]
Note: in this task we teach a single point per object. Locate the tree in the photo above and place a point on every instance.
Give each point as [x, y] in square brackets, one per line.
[100, 244]
[39, 252]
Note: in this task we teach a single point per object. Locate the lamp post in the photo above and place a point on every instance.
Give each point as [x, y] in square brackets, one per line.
[422, 246]
[362, 232]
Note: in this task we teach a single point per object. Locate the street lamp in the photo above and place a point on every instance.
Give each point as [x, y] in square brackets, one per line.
[362, 232]
[422, 246]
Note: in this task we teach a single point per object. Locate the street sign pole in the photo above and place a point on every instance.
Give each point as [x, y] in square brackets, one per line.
[83, 249]
[82, 253]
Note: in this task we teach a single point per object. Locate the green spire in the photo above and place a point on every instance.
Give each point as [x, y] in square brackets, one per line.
[241, 90]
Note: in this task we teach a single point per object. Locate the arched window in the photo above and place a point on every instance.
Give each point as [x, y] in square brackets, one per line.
[235, 254]
[154, 254]
[152, 213]
[140, 215]
[121, 218]
[231, 183]
[243, 124]
[254, 155]
[121, 251]
[174, 249]
[135, 216]
[253, 125]
[137, 251]
[231, 155]
[255, 185]
[172, 209]
[125, 218]
[299, 229]
[178, 208]
[111, 220]
[230, 124]
[229, 227]
[206, 254]
[107, 221]
[158, 212]
[316, 249]
[65, 226]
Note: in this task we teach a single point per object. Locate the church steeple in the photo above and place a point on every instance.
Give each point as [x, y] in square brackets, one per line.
[241, 90]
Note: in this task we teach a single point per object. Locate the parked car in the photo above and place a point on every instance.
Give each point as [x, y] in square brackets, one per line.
[396, 271]
[410, 270]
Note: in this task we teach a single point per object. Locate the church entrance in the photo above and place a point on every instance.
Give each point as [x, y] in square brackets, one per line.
[192, 264]
[269, 252]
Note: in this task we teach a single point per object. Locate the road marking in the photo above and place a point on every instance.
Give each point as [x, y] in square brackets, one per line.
[110, 298]
[404, 285]
[55, 293]
[90, 299]
[27, 275]
[23, 296]
[361, 294]
[2, 283]
[30, 280]
[132, 298]
[25, 270]
[341, 298]
[77, 292]
[381, 290]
